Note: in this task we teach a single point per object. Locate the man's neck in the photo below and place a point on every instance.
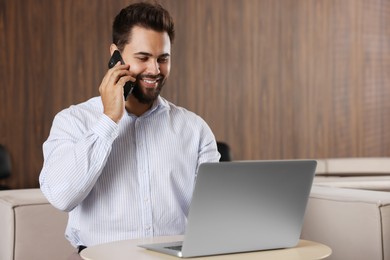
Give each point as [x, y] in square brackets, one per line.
[135, 107]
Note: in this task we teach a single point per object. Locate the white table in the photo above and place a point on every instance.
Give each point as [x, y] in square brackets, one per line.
[128, 249]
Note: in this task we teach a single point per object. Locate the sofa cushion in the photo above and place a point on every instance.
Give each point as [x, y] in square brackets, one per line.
[31, 227]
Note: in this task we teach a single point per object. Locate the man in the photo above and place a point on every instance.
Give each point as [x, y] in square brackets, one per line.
[126, 168]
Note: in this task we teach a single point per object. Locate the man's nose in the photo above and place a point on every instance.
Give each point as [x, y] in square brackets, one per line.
[153, 67]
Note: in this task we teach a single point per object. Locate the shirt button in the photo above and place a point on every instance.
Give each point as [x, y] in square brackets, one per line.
[148, 227]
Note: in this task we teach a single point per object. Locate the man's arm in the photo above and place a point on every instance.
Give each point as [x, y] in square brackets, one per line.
[74, 158]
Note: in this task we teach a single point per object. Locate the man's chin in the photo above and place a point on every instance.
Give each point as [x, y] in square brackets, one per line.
[146, 98]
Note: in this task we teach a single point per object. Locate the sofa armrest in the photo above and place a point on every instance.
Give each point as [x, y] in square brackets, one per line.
[354, 223]
[31, 228]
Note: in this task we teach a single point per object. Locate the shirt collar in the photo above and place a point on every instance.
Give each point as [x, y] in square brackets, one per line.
[160, 104]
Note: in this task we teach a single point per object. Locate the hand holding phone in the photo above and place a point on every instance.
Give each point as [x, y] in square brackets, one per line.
[129, 86]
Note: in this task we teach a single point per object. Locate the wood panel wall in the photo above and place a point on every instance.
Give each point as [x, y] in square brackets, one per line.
[275, 79]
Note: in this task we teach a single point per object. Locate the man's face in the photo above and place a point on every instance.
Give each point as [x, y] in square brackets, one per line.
[148, 54]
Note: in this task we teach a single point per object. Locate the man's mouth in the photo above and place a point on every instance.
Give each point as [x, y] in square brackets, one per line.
[151, 82]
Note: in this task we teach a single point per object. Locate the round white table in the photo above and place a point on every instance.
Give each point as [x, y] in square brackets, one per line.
[128, 249]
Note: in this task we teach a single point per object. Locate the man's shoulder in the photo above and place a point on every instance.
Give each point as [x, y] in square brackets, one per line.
[94, 103]
[87, 109]
[177, 110]
[182, 114]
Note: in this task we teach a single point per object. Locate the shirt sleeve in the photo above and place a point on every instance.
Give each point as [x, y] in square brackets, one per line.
[74, 157]
[208, 151]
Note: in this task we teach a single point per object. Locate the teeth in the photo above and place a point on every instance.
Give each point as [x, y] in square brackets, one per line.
[150, 81]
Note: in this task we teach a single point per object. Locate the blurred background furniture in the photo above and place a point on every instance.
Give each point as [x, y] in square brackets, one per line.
[5, 165]
[224, 150]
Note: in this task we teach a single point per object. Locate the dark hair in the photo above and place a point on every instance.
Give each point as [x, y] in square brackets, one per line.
[146, 15]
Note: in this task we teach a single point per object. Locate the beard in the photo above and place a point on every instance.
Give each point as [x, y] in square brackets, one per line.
[150, 95]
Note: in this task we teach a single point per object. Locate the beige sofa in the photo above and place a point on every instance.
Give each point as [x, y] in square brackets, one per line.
[349, 208]
[30, 228]
[353, 221]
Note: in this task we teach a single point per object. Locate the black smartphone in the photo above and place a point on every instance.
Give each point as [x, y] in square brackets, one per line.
[129, 86]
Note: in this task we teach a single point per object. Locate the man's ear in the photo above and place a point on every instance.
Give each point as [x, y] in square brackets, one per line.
[113, 48]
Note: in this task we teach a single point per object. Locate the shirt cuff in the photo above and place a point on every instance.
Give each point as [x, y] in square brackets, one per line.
[106, 128]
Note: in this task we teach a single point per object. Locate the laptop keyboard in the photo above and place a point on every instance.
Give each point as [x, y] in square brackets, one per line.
[176, 248]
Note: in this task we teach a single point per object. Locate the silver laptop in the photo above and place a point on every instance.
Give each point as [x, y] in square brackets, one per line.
[245, 206]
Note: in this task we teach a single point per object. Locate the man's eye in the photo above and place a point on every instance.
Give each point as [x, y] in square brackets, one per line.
[163, 60]
[143, 58]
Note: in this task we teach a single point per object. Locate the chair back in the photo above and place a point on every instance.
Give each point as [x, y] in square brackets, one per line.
[224, 150]
[5, 163]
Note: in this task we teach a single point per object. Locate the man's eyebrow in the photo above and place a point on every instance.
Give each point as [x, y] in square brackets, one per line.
[150, 55]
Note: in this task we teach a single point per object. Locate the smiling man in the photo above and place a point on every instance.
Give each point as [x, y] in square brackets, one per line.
[125, 168]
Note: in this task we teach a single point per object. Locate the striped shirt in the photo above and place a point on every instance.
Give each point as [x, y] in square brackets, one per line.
[128, 180]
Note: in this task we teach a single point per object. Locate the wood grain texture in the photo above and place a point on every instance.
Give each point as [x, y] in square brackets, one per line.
[275, 79]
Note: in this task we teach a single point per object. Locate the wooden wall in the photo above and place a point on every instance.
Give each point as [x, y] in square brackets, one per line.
[275, 79]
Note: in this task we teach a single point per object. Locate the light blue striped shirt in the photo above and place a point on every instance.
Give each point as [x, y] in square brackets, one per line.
[128, 180]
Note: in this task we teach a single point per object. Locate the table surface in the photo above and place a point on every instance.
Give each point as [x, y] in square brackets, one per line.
[128, 249]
